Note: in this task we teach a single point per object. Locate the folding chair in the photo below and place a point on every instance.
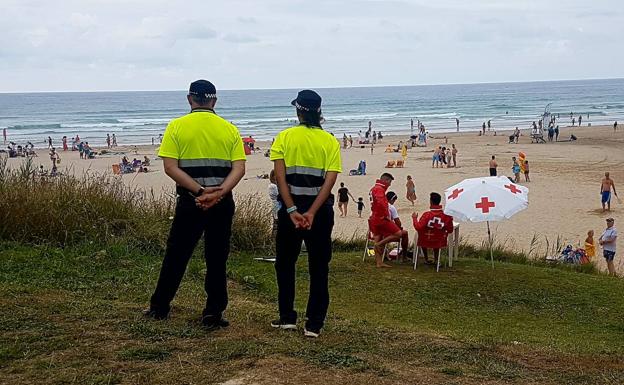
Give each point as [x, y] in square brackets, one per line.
[370, 240]
[450, 250]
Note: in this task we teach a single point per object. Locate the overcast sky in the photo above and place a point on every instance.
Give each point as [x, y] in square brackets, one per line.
[162, 45]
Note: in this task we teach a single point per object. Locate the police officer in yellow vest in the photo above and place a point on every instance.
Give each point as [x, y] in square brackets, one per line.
[306, 163]
[204, 155]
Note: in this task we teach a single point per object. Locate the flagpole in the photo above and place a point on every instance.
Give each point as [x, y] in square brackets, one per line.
[490, 241]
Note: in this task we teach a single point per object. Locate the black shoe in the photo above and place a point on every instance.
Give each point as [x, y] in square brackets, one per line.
[279, 324]
[211, 322]
[154, 314]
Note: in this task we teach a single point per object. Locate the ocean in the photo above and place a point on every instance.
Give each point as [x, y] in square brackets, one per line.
[137, 117]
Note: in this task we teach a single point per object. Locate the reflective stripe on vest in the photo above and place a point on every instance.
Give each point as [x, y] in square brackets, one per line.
[305, 180]
[206, 172]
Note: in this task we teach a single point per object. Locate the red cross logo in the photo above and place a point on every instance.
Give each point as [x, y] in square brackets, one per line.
[513, 188]
[455, 193]
[485, 205]
[435, 223]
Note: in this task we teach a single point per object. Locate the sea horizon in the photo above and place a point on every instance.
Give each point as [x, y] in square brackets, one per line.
[137, 117]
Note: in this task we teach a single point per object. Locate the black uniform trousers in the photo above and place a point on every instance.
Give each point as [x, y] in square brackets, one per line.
[189, 223]
[319, 246]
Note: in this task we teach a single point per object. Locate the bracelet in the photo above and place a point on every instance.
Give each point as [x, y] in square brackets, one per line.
[291, 210]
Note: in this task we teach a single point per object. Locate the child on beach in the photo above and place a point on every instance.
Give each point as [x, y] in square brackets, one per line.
[590, 247]
[360, 206]
[515, 169]
[526, 171]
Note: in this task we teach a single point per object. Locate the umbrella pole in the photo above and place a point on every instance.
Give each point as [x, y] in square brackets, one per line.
[490, 242]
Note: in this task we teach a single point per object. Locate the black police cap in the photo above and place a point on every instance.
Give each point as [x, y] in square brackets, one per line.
[307, 100]
[203, 89]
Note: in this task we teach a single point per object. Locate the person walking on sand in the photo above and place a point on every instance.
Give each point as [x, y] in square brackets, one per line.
[580, 120]
[4, 134]
[203, 153]
[615, 126]
[383, 229]
[454, 155]
[608, 241]
[114, 141]
[606, 185]
[307, 162]
[108, 141]
[343, 199]
[411, 190]
[493, 166]
[483, 128]
[526, 171]
[516, 134]
[457, 123]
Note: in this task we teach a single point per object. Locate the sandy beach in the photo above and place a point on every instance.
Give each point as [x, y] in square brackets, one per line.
[564, 189]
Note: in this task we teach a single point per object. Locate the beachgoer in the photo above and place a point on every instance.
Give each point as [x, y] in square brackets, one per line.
[384, 230]
[433, 228]
[580, 120]
[448, 157]
[4, 134]
[436, 157]
[615, 126]
[573, 121]
[379, 136]
[49, 142]
[81, 149]
[515, 169]
[203, 153]
[146, 161]
[489, 124]
[64, 140]
[343, 199]
[360, 206]
[411, 190]
[608, 241]
[590, 246]
[108, 140]
[454, 155]
[605, 191]
[556, 133]
[526, 171]
[307, 162]
[54, 157]
[457, 123]
[115, 140]
[350, 141]
[483, 128]
[394, 216]
[517, 134]
[493, 166]
[344, 141]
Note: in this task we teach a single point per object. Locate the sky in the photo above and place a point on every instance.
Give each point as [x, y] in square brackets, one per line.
[106, 45]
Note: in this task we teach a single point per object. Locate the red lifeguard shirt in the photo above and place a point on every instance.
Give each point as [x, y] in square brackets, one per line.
[433, 228]
[379, 202]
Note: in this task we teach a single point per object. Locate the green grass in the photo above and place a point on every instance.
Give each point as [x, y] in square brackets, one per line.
[73, 315]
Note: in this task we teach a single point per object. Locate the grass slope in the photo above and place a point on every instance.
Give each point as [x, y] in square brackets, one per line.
[73, 316]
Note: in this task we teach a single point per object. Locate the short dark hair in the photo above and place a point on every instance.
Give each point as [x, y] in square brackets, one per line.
[341, 184]
[387, 175]
[201, 100]
[435, 198]
[493, 156]
[390, 195]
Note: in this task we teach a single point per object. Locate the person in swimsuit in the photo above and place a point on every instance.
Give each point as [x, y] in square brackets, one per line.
[343, 199]
[605, 191]
[493, 166]
[454, 155]
[411, 190]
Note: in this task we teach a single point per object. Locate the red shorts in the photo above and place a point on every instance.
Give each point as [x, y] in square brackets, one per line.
[383, 228]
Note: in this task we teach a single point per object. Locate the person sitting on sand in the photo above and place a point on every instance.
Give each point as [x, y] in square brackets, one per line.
[590, 246]
[146, 161]
[433, 228]
[384, 230]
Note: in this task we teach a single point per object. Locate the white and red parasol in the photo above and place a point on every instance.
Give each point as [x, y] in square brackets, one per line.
[484, 200]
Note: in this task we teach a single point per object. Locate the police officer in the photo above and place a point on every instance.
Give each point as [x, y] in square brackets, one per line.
[306, 163]
[204, 155]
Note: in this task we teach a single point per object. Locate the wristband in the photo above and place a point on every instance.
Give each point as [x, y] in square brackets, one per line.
[200, 191]
[291, 210]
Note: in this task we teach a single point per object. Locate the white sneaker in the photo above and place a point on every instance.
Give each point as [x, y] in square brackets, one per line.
[279, 324]
[311, 333]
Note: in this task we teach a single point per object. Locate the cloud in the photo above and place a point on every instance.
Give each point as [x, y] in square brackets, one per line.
[154, 44]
